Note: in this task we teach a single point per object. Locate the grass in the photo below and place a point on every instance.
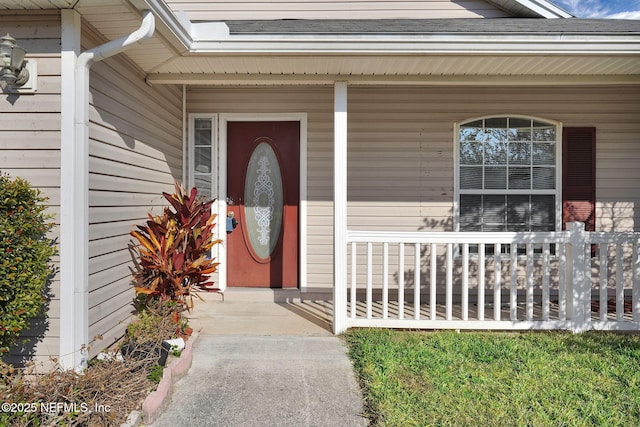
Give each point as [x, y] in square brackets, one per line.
[494, 379]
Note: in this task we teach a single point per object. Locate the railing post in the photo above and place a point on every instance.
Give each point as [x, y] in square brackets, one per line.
[578, 282]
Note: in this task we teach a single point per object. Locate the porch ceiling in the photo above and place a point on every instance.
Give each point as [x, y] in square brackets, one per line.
[402, 67]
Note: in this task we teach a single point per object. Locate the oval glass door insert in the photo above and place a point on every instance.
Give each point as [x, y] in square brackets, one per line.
[263, 200]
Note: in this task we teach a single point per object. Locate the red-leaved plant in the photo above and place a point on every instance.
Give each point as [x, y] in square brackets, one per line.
[174, 248]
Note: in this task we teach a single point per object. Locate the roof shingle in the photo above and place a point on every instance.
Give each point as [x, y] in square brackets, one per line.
[433, 26]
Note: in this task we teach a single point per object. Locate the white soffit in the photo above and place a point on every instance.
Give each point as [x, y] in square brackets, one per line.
[403, 67]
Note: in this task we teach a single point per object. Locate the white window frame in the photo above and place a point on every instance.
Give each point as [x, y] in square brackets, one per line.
[456, 168]
[214, 151]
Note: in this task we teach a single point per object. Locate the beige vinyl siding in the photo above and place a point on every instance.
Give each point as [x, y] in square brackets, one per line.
[335, 9]
[401, 150]
[30, 149]
[135, 153]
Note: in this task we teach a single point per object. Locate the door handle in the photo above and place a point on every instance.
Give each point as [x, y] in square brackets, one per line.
[232, 222]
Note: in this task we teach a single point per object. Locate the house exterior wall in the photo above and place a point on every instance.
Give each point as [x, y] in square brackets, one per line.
[401, 150]
[135, 153]
[30, 149]
[335, 9]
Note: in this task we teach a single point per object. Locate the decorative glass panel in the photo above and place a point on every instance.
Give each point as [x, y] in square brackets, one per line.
[263, 200]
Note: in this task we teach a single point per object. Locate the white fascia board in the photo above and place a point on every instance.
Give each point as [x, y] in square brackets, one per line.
[214, 37]
[544, 8]
[180, 28]
[482, 44]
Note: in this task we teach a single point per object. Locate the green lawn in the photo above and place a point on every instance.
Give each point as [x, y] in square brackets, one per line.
[497, 379]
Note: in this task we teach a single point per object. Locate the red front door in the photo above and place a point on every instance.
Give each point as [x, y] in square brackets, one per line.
[263, 194]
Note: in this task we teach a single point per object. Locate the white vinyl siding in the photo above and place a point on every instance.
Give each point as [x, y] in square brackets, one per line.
[401, 150]
[334, 9]
[30, 149]
[135, 153]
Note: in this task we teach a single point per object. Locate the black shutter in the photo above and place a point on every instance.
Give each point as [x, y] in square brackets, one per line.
[579, 176]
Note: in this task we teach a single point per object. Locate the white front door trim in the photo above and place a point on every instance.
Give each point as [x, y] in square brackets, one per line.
[221, 201]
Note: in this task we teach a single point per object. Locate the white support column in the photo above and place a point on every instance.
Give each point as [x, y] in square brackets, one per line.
[73, 200]
[74, 181]
[340, 208]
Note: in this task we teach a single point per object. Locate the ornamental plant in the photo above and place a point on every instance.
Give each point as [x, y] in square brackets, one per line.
[25, 251]
[174, 248]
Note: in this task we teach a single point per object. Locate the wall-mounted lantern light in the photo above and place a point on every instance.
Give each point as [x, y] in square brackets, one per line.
[19, 75]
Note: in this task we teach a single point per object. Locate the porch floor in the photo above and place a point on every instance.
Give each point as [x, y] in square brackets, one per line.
[249, 311]
[288, 312]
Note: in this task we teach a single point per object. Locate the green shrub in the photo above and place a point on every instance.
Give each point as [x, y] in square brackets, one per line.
[25, 251]
[174, 248]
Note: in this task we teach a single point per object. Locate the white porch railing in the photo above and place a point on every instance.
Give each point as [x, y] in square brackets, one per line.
[571, 280]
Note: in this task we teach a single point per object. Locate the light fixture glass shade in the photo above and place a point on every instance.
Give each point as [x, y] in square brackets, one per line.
[7, 44]
[17, 57]
[13, 71]
[8, 76]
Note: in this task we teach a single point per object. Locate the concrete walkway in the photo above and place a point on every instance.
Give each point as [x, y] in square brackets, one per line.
[265, 359]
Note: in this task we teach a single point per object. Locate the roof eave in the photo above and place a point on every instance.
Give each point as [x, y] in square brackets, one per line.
[533, 44]
[192, 36]
[544, 8]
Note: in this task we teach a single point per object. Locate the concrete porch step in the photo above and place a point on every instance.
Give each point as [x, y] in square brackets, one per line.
[284, 295]
[247, 311]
